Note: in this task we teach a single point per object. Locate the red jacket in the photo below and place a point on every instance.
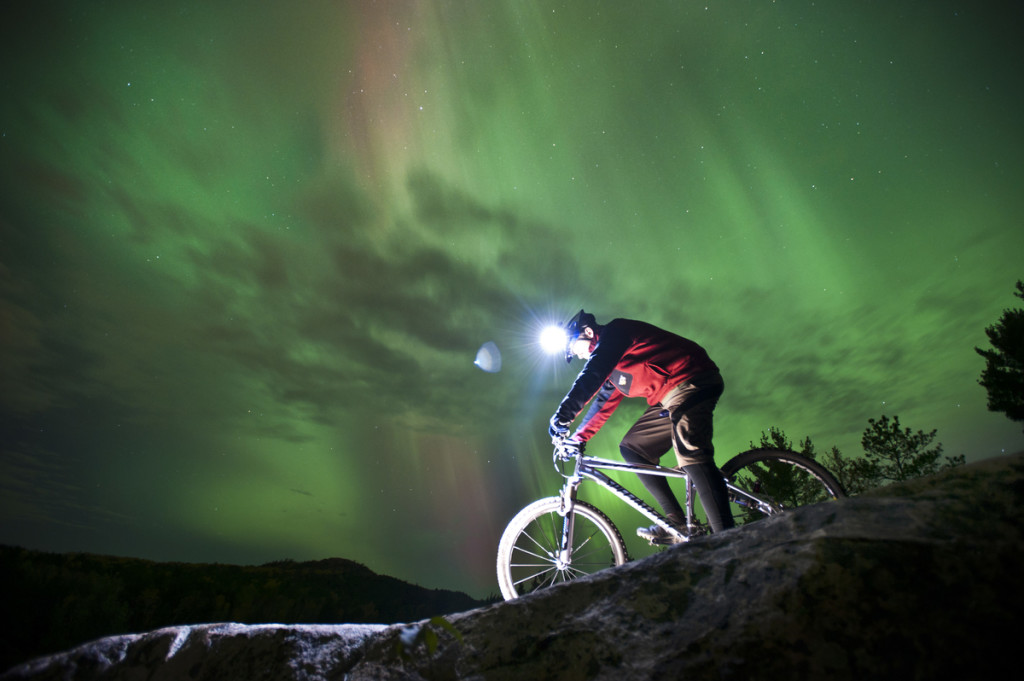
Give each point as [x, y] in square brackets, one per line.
[630, 359]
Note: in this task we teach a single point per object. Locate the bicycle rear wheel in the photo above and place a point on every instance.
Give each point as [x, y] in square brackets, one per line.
[779, 479]
[528, 553]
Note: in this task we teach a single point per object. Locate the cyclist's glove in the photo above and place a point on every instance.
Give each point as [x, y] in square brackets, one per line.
[558, 429]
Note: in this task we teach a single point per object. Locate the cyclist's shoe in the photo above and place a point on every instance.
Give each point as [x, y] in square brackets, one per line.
[656, 534]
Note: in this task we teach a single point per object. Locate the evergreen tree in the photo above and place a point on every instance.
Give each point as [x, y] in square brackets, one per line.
[856, 475]
[1003, 376]
[789, 484]
[891, 454]
[897, 453]
[776, 438]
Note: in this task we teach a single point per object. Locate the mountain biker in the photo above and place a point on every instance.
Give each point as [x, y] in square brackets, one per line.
[628, 358]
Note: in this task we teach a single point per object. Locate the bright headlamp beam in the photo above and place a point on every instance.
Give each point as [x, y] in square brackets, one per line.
[553, 339]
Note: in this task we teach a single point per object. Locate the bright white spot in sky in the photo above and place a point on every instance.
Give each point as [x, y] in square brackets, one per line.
[488, 358]
[552, 339]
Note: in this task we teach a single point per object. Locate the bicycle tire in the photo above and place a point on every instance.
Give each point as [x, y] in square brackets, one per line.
[527, 552]
[784, 479]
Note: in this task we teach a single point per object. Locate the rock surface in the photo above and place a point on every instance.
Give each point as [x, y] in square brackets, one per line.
[210, 651]
[917, 580]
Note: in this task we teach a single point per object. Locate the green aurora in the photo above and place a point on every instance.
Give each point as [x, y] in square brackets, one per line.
[248, 251]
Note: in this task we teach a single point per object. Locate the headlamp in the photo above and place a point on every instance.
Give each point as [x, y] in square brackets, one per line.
[553, 339]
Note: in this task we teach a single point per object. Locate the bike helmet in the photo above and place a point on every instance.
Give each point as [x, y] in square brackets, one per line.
[574, 328]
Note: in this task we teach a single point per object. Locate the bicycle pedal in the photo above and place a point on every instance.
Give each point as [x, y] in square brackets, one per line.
[664, 541]
[656, 537]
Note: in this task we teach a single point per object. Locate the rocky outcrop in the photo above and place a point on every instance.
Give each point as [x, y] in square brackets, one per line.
[210, 651]
[918, 580]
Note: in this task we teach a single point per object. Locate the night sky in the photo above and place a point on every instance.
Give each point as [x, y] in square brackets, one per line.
[249, 250]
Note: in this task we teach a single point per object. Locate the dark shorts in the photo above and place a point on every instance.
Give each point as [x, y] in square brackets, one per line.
[687, 427]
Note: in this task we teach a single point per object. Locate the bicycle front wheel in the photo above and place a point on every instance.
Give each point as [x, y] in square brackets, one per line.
[776, 480]
[529, 555]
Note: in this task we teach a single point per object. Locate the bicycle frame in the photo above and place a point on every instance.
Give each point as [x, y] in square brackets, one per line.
[590, 468]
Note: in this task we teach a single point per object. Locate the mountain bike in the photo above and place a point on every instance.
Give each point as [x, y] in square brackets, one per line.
[558, 539]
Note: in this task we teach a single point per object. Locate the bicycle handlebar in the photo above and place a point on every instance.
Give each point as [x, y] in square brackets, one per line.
[565, 449]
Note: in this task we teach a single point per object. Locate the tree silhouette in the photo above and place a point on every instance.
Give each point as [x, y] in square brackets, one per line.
[899, 453]
[1003, 376]
[891, 454]
[776, 438]
[854, 474]
[786, 484]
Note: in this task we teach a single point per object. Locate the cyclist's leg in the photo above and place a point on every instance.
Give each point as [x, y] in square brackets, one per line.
[646, 442]
[714, 496]
[692, 407]
[658, 486]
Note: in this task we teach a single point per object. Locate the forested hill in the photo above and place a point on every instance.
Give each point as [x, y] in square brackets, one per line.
[54, 601]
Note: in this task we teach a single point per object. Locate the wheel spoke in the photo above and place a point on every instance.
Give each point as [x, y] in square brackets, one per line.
[547, 547]
[534, 575]
[546, 556]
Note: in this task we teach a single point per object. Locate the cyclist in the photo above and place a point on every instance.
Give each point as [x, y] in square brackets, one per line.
[628, 358]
